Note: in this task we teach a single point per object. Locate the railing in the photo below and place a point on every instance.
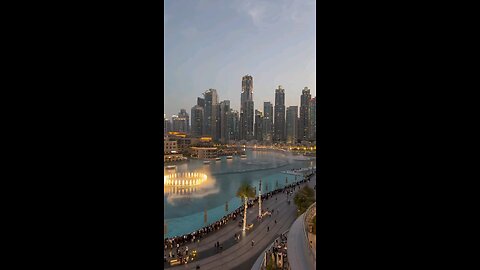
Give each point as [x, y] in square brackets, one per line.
[260, 262]
[311, 211]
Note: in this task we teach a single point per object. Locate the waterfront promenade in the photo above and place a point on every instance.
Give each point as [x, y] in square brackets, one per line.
[241, 254]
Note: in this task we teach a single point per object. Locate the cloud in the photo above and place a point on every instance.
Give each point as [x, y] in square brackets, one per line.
[265, 13]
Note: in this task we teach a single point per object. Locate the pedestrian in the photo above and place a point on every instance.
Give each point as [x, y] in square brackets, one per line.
[275, 221]
[253, 243]
[268, 228]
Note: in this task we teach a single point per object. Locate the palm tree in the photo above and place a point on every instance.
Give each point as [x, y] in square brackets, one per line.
[244, 192]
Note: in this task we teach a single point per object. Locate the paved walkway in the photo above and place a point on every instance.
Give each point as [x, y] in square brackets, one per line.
[240, 254]
[298, 252]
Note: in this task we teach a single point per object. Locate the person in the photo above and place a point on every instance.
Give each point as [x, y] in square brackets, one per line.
[268, 228]
[253, 243]
[275, 221]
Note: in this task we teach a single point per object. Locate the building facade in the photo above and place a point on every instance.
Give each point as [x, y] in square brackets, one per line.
[292, 116]
[303, 127]
[258, 126]
[246, 108]
[179, 124]
[267, 121]
[197, 121]
[224, 117]
[313, 119]
[234, 126]
[210, 112]
[279, 119]
[167, 126]
[204, 152]
[183, 114]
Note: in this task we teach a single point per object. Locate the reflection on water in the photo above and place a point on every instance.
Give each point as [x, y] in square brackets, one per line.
[184, 207]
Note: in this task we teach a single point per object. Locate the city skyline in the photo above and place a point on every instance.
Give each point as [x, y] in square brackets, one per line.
[259, 107]
[221, 41]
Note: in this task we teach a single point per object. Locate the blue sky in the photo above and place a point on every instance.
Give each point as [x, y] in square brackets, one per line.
[213, 43]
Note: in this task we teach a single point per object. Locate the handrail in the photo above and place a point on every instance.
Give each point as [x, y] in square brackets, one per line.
[259, 266]
[307, 215]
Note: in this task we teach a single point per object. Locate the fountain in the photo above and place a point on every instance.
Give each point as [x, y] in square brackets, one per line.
[184, 179]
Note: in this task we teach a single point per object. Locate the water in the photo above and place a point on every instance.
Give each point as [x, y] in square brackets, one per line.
[185, 213]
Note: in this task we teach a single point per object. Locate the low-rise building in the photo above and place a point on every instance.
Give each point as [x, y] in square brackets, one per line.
[204, 152]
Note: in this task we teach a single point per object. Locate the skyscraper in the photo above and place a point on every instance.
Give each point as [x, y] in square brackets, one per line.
[224, 114]
[279, 120]
[258, 126]
[246, 108]
[292, 116]
[303, 132]
[313, 119]
[201, 102]
[166, 124]
[268, 121]
[210, 116]
[234, 127]
[197, 121]
[179, 124]
[183, 114]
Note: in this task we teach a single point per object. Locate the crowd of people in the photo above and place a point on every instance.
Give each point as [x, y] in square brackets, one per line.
[272, 254]
[173, 244]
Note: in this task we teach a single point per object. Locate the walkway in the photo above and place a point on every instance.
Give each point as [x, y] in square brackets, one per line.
[299, 255]
[241, 255]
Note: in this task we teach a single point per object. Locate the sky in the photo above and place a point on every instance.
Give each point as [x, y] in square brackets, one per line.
[214, 43]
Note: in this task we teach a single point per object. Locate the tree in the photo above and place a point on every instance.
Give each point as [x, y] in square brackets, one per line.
[244, 192]
[304, 198]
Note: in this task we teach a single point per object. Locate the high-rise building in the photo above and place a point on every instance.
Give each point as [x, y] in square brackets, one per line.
[167, 126]
[313, 119]
[210, 116]
[303, 132]
[224, 114]
[179, 124]
[183, 114]
[234, 126]
[246, 108]
[201, 102]
[197, 121]
[292, 116]
[267, 121]
[258, 125]
[279, 119]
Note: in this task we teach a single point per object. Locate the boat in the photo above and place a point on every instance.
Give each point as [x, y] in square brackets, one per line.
[243, 156]
[169, 167]
[206, 162]
[229, 157]
[218, 158]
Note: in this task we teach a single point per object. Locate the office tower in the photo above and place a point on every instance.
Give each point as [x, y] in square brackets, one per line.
[201, 102]
[279, 119]
[235, 126]
[267, 121]
[166, 124]
[210, 115]
[246, 108]
[197, 121]
[303, 133]
[224, 114]
[292, 116]
[183, 114]
[179, 124]
[313, 119]
[258, 125]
